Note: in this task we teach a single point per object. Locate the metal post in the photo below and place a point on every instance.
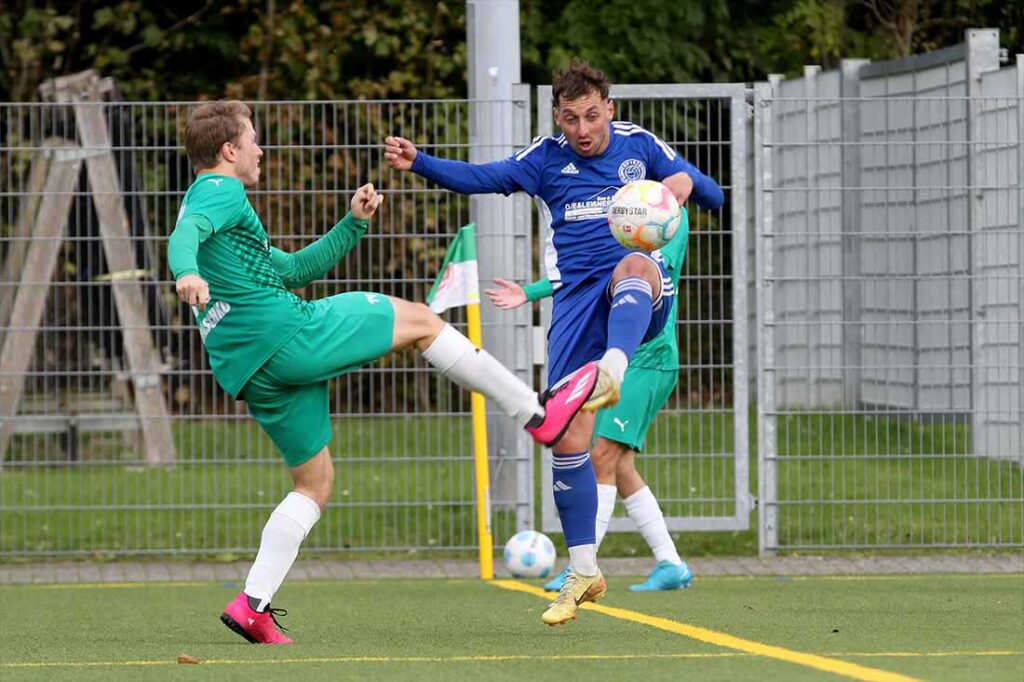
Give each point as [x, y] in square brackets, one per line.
[853, 331]
[522, 268]
[1019, 445]
[812, 248]
[768, 526]
[738, 113]
[492, 36]
[982, 56]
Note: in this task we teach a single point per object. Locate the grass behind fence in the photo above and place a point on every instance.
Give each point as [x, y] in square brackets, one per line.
[408, 482]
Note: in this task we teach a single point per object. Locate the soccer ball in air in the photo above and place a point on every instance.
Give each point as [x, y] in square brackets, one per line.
[529, 554]
[643, 215]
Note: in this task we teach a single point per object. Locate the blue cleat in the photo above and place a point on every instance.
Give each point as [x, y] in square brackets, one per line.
[555, 584]
[665, 576]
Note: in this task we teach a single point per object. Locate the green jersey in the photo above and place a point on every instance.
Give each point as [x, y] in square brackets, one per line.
[251, 313]
[662, 352]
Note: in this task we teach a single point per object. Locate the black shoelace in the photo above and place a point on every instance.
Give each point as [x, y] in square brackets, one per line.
[273, 616]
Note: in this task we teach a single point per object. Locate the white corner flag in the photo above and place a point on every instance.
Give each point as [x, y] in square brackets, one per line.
[458, 283]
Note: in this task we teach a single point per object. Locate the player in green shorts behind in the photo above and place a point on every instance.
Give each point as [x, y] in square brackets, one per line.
[277, 351]
[622, 430]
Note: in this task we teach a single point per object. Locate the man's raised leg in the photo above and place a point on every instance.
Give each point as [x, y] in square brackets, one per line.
[636, 282]
[475, 369]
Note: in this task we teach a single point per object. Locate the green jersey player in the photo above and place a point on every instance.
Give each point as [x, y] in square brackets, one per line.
[277, 351]
[621, 430]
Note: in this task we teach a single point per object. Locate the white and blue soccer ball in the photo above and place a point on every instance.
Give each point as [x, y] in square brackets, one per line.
[643, 215]
[529, 554]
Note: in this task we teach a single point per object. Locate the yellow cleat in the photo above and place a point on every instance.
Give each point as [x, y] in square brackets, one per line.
[576, 590]
[606, 392]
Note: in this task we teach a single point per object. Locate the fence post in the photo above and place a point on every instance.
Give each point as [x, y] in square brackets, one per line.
[739, 112]
[1020, 254]
[849, 93]
[813, 248]
[768, 511]
[982, 56]
[522, 268]
[492, 33]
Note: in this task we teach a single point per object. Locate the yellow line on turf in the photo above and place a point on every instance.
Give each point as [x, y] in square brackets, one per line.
[831, 665]
[464, 659]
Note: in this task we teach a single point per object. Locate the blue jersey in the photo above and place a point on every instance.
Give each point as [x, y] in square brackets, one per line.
[574, 192]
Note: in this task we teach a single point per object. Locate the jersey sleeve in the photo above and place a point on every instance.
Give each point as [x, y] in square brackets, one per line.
[220, 200]
[674, 252]
[665, 161]
[517, 173]
[183, 244]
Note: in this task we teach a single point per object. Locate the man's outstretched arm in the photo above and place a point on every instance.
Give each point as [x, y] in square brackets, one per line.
[495, 177]
[312, 262]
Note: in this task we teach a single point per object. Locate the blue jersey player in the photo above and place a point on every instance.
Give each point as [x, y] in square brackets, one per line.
[607, 300]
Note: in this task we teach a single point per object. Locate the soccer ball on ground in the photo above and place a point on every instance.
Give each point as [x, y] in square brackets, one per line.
[643, 215]
[529, 554]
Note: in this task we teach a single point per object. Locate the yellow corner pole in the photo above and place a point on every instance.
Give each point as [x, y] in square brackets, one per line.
[483, 475]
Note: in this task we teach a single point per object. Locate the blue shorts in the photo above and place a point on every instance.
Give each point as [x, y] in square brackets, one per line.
[579, 320]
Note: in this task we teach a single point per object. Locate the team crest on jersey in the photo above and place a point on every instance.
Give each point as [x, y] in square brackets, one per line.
[632, 170]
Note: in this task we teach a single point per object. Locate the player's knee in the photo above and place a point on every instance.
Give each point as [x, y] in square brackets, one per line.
[605, 462]
[415, 321]
[635, 265]
[427, 319]
[322, 489]
[626, 466]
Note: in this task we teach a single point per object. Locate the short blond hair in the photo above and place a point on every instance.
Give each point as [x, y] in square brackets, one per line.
[210, 125]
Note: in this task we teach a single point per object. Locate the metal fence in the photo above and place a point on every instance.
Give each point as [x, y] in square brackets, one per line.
[885, 217]
[76, 476]
[891, 281]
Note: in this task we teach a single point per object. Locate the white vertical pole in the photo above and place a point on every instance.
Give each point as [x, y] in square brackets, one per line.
[492, 41]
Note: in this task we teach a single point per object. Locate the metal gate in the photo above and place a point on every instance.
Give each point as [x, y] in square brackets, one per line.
[697, 458]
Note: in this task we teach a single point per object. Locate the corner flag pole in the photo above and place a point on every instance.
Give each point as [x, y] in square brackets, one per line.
[483, 475]
[458, 284]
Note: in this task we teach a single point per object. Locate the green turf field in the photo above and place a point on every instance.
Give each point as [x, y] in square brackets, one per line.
[891, 628]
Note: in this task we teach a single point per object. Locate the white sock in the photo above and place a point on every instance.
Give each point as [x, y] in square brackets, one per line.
[605, 507]
[643, 508]
[287, 527]
[614, 361]
[474, 369]
[583, 559]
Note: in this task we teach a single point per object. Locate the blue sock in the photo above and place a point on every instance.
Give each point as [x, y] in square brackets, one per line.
[630, 315]
[576, 497]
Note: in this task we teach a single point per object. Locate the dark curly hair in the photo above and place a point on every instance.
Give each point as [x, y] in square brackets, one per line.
[579, 79]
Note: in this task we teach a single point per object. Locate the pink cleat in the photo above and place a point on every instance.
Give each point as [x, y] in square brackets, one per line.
[255, 627]
[561, 403]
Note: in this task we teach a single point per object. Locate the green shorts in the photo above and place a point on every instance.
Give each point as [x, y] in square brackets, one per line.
[644, 392]
[288, 394]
